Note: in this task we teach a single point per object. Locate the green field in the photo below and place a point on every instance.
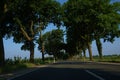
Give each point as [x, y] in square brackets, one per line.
[108, 58]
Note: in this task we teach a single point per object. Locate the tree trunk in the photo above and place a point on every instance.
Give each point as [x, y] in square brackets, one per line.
[43, 59]
[31, 52]
[90, 51]
[99, 47]
[80, 53]
[42, 42]
[84, 53]
[2, 54]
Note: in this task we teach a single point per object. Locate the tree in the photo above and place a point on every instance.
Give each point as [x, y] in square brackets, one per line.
[25, 29]
[77, 19]
[53, 15]
[53, 41]
[105, 25]
[36, 14]
[5, 27]
[40, 42]
[91, 20]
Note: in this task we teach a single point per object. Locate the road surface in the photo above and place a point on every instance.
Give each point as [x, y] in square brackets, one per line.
[74, 70]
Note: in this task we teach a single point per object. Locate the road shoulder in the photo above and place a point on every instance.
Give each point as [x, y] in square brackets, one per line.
[14, 74]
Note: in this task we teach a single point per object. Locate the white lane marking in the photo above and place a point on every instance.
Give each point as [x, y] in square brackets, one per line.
[93, 74]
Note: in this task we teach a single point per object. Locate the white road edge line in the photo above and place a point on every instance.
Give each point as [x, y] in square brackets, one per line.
[93, 74]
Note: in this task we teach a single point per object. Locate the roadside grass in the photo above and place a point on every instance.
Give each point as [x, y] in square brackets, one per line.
[108, 58]
[10, 68]
[18, 64]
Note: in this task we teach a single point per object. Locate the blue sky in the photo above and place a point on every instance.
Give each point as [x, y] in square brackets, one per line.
[61, 1]
[12, 49]
[115, 0]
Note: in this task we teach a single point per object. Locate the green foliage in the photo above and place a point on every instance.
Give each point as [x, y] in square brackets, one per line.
[5, 19]
[16, 60]
[29, 17]
[5, 26]
[36, 14]
[87, 20]
[77, 19]
[53, 41]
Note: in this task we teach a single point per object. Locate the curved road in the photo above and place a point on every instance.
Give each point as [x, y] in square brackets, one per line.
[74, 70]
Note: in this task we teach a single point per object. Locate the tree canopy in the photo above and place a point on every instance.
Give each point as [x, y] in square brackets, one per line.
[87, 20]
[5, 26]
[30, 17]
[52, 41]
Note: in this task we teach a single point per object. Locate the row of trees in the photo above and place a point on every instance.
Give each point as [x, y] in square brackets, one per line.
[88, 20]
[85, 21]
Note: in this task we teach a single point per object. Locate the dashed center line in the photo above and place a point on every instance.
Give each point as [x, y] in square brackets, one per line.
[93, 74]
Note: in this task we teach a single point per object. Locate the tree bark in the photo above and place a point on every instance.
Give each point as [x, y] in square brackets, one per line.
[42, 42]
[90, 51]
[2, 54]
[84, 53]
[31, 52]
[42, 50]
[99, 48]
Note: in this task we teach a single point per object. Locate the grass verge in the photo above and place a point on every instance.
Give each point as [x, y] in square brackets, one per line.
[108, 58]
[9, 68]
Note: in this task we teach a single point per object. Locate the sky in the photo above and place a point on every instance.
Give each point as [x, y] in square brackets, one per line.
[115, 0]
[12, 49]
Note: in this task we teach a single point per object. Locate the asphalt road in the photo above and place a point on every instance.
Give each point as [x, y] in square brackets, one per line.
[72, 70]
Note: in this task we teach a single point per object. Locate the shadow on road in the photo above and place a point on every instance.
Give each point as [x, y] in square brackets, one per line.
[71, 71]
